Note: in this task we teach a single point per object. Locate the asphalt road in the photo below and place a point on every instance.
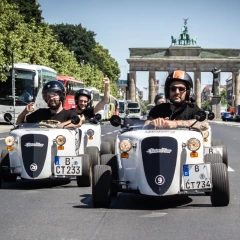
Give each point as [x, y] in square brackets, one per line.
[60, 210]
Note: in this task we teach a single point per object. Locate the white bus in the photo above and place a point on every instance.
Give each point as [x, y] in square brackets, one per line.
[29, 80]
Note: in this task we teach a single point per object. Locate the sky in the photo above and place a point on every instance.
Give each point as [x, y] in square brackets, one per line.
[123, 24]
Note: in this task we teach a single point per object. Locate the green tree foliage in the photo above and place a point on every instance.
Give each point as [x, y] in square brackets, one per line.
[36, 44]
[30, 9]
[206, 105]
[77, 39]
[96, 61]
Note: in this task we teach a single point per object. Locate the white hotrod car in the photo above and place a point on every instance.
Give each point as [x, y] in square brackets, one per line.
[41, 151]
[92, 140]
[159, 162]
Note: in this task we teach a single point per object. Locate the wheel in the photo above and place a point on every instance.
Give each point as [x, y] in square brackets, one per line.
[213, 158]
[85, 180]
[111, 140]
[101, 186]
[93, 152]
[220, 195]
[111, 160]
[225, 155]
[105, 148]
[217, 142]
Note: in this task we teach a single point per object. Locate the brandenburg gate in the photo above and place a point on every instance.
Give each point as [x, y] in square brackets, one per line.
[185, 55]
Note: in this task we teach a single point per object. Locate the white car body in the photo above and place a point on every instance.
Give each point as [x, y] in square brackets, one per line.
[36, 155]
[159, 162]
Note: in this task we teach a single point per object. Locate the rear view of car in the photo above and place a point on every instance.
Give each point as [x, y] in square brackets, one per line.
[227, 116]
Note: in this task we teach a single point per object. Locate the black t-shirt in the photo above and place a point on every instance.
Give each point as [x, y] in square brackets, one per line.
[46, 114]
[88, 112]
[184, 112]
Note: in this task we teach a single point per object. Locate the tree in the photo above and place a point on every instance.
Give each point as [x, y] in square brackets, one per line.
[30, 9]
[77, 39]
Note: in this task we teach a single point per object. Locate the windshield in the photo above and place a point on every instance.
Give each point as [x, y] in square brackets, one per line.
[133, 105]
[121, 107]
[23, 85]
[134, 110]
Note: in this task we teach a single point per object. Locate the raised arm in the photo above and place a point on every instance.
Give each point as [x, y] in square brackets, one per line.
[105, 99]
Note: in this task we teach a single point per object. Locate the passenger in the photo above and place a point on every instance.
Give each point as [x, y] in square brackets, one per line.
[159, 99]
[179, 111]
[54, 95]
[83, 100]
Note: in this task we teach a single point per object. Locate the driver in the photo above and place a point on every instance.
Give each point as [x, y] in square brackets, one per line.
[178, 111]
[54, 95]
[159, 99]
[83, 100]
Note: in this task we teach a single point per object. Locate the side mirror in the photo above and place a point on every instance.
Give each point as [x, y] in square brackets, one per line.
[200, 116]
[115, 120]
[211, 116]
[7, 117]
[75, 120]
[98, 117]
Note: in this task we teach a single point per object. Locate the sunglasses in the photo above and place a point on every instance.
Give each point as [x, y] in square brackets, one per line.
[174, 88]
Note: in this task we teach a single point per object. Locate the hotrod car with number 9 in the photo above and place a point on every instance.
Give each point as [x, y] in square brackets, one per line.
[159, 162]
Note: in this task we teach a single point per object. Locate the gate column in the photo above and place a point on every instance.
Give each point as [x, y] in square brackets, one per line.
[236, 80]
[151, 86]
[132, 86]
[197, 87]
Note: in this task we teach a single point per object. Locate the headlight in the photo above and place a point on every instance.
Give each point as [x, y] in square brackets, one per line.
[125, 145]
[9, 141]
[90, 132]
[205, 134]
[193, 144]
[60, 140]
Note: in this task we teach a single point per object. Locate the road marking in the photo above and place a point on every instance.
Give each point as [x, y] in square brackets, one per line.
[2, 138]
[230, 169]
[109, 133]
[102, 135]
[154, 214]
[115, 131]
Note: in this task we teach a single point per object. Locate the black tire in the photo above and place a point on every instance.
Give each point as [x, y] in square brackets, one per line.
[220, 195]
[93, 152]
[225, 155]
[111, 160]
[86, 179]
[213, 158]
[217, 142]
[101, 186]
[105, 148]
[111, 140]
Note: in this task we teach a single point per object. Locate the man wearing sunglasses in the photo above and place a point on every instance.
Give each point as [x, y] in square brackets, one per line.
[83, 99]
[54, 95]
[179, 110]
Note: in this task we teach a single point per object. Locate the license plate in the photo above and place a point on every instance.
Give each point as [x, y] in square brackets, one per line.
[211, 150]
[197, 176]
[68, 166]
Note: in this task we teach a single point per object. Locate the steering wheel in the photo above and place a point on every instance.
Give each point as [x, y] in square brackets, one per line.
[43, 125]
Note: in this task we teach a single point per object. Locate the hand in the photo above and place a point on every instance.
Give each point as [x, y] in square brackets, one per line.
[106, 80]
[30, 107]
[164, 123]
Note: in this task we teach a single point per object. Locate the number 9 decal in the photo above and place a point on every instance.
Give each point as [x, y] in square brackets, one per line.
[159, 180]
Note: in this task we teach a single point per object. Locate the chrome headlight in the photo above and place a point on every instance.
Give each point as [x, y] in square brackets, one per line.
[9, 141]
[193, 144]
[60, 140]
[205, 134]
[125, 145]
[90, 132]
